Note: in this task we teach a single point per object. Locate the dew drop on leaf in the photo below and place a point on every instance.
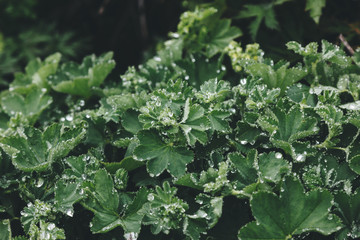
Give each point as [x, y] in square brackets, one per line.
[300, 158]
[51, 226]
[70, 212]
[278, 155]
[40, 182]
[69, 118]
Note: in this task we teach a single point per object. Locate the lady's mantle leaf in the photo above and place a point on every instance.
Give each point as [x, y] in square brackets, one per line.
[79, 79]
[194, 124]
[161, 155]
[35, 151]
[348, 209]
[30, 106]
[294, 212]
[287, 127]
[66, 194]
[315, 7]
[5, 230]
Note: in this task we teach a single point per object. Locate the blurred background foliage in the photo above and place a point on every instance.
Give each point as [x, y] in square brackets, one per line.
[134, 29]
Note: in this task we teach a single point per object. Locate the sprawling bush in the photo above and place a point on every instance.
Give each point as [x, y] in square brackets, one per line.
[208, 139]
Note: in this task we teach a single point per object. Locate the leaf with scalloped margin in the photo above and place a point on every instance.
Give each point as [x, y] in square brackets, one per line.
[160, 155]
[292, 213]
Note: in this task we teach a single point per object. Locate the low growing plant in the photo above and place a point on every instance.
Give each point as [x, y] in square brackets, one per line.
[205, 140]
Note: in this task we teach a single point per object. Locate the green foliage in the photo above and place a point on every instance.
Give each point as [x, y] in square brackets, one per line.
[189, 145]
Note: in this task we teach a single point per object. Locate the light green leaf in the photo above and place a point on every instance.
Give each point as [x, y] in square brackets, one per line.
[281, 77]
[315, 7]
[220, 37]
[36, 151]
[160, 155]
[165, 211]
[194, 124]
[218, 120]
[213, 91]
[36, 72]
[332, 53]
[5, 230]
[287, 127]
[293, 212]
[353, 106]
[130, 121]
[66, 195]
[80, 79]
[31, 106]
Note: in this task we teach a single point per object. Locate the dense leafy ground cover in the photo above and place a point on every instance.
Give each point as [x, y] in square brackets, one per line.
[205, 140]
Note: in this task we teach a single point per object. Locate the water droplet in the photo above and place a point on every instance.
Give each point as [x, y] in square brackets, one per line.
[40, 182]
[243, 81]
[131, 236]
[243, 142]
[300, 158]
[150, 197]
[51, 226]
[187, 77]
[69, 118]
[70, 212]
[278, 155]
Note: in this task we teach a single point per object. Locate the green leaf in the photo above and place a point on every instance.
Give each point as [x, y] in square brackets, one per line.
[106, 217]
[333, 118]
[348, 209]
[219, 120]
[261, 97]
[165, 211]
[260, 12]
[220, 37]
[80, 79]
[30, 106]
[287, 127]
[5, 230]
[130, 121]
[292, 213]
[281, 77]
[204, 218]
[272, 166]
[131, 222]
[36, 151]
[36, 72]
[213, 91]
[66, 195]
[354, 164]
[194, 124]
[160, 155]
[315, 8]
[332, 53]
[245, 166]
[353, 106]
